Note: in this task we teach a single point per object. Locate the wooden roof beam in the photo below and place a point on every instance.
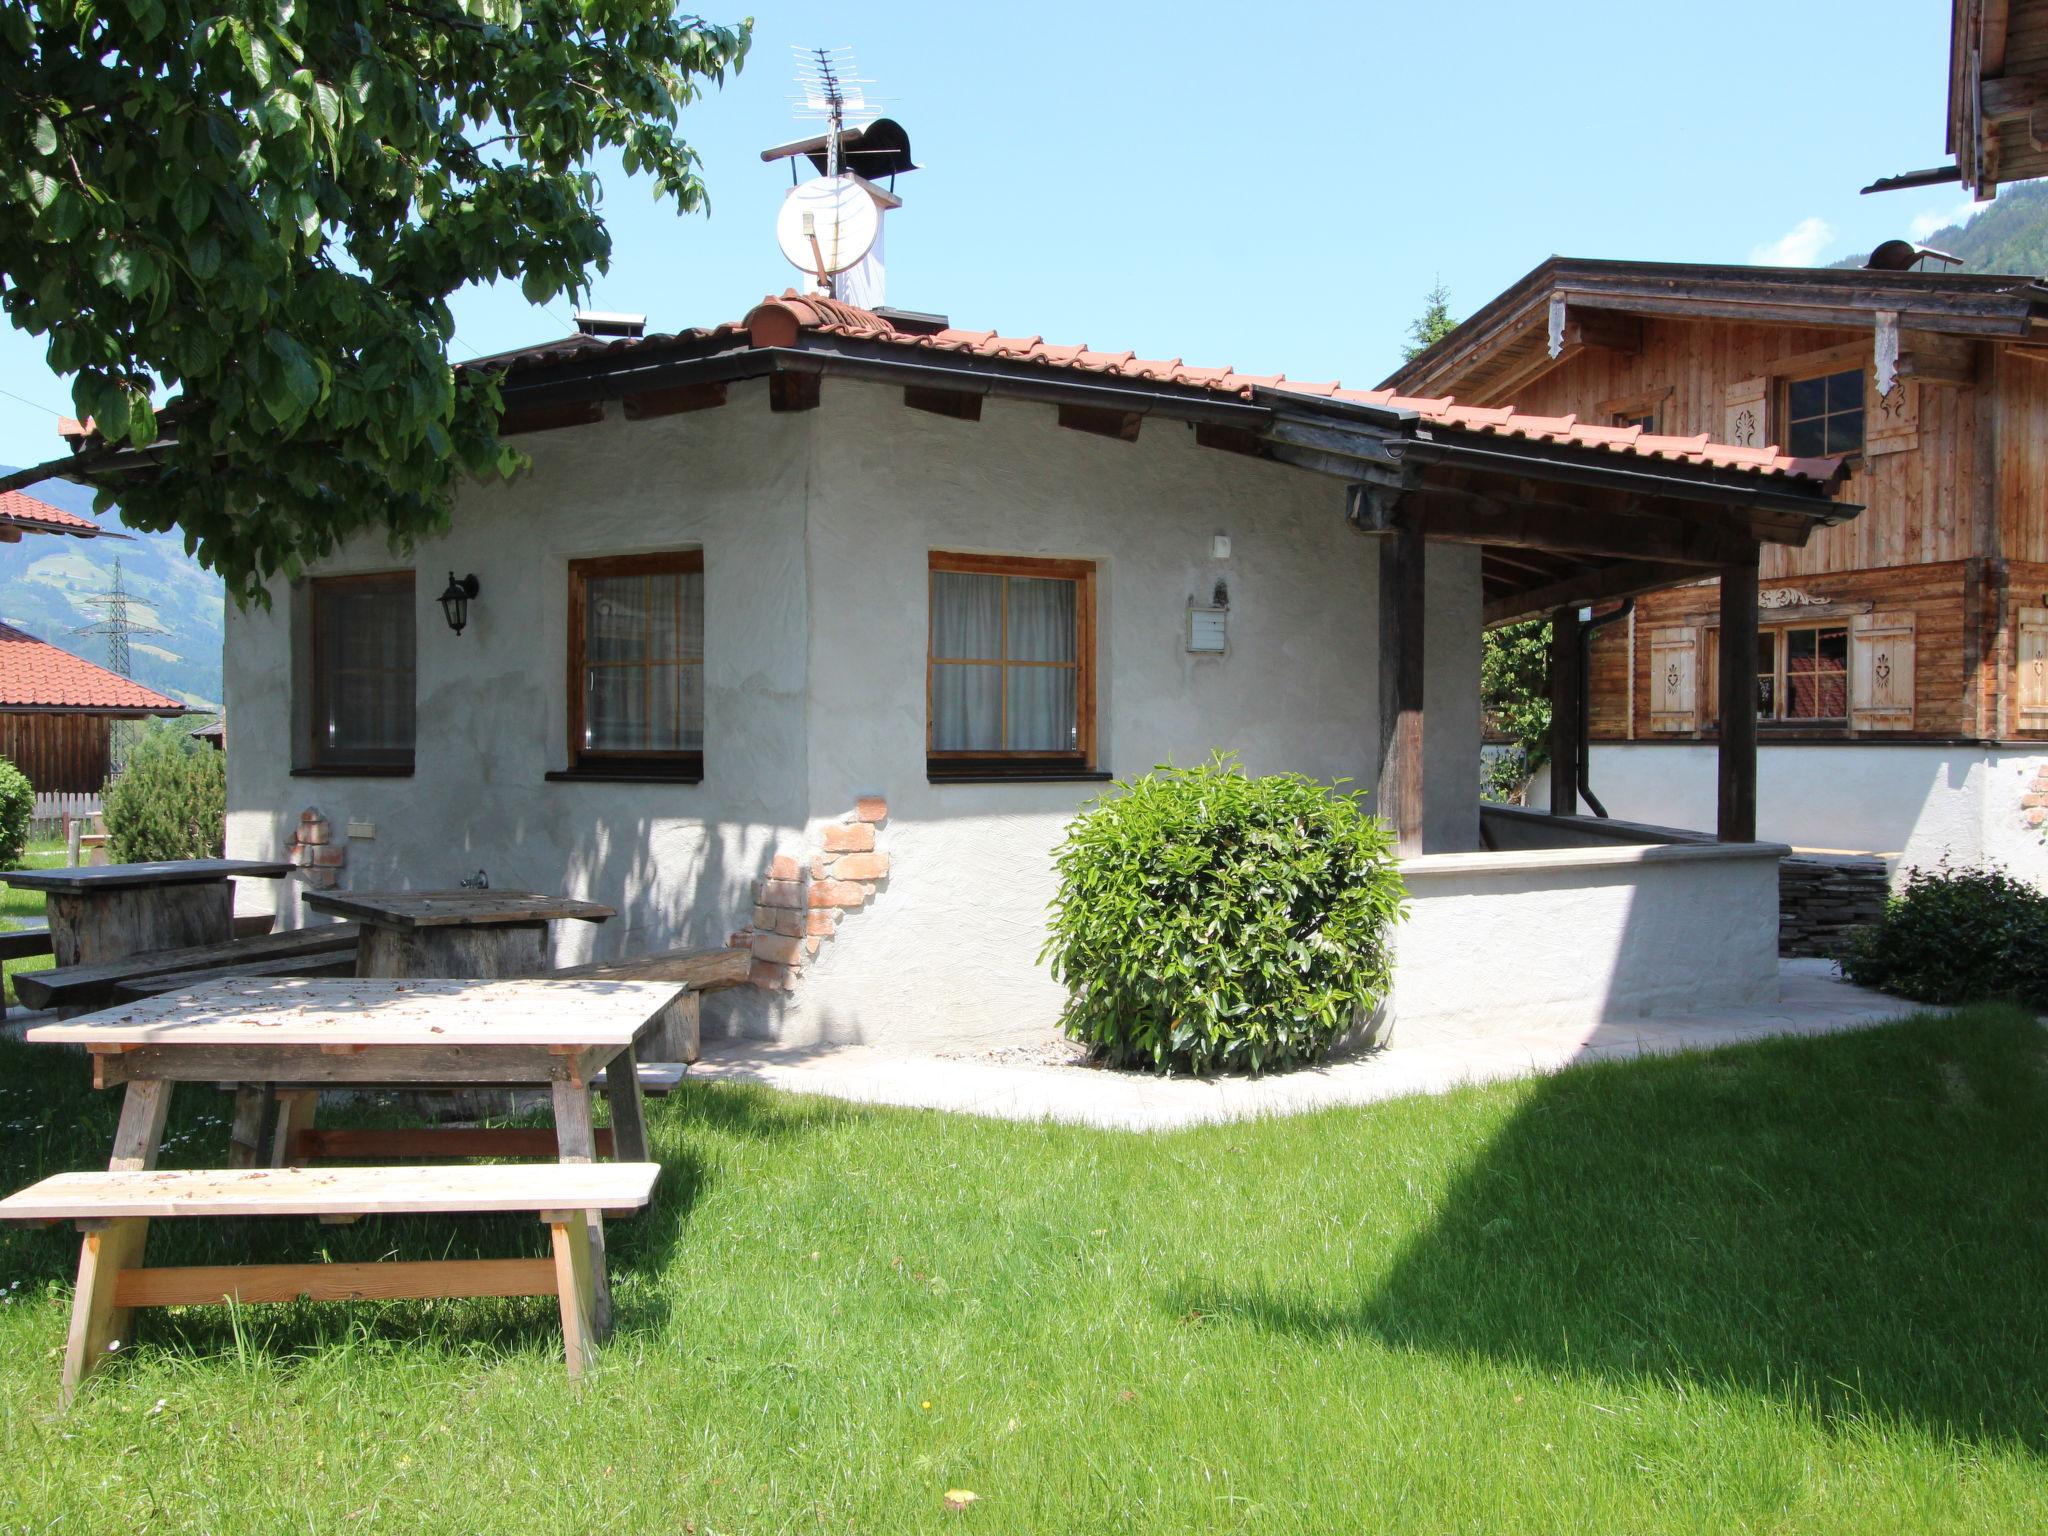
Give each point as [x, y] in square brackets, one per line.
[1466, 517]
[1602, 584]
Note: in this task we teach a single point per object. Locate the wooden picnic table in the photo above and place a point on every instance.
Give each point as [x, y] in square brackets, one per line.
[298, 1036]
[463, 933]
[108, 912]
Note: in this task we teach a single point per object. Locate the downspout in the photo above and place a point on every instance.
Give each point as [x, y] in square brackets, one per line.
[1583, 735]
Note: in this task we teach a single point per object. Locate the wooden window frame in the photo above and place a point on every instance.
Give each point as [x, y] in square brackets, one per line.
[1783, 401]
[1647, 407]
[584, 762]
[1772, 637]
[321, 757]
[1030, 764]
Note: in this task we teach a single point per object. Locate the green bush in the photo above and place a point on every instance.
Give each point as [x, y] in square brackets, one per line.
[170, 802]
[17, 804]
[1209, 921]
[1956, 936]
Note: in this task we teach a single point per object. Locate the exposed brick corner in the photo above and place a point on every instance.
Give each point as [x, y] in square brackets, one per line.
[317, 857]
[801, 901]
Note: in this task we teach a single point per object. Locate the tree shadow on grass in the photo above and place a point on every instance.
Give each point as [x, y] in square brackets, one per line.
[1854, 1226]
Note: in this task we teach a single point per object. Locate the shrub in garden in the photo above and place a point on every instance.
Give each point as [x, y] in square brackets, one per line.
[170, 802]
[1210, 921]
[17, 804]
[1956, 936]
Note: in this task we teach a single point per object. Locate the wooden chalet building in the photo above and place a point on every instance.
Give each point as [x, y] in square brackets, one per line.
[1901, 694]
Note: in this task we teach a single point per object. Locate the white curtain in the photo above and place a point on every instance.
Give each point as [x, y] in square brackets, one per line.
[981, 622]
[1041, 698]
[367, 641]
[644, 645]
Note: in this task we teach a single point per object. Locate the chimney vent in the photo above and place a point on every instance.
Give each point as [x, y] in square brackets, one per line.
[596, 322]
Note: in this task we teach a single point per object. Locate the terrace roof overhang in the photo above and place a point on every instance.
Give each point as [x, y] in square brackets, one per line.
[1556, 523]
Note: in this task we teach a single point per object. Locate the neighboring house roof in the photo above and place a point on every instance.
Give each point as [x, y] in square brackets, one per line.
[1568, 302]
[794, 320]
[21, 513]
[1997, 75]
[36, 677]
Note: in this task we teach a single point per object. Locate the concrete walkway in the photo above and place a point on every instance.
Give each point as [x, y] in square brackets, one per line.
[1812, 1002]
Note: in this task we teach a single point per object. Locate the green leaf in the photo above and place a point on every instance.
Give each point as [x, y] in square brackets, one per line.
[192, 204]
[43, 137]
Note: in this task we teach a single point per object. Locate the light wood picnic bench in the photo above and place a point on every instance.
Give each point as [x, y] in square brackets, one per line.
[114, 1209]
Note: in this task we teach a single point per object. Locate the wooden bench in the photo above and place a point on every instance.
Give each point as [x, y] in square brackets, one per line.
[338, 962]
[114, 1210]
[676, 1035]
[75, 988]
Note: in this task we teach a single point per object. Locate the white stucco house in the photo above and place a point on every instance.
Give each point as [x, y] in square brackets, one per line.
[817, 629]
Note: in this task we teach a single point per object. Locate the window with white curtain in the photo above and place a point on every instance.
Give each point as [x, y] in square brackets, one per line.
[636, 639]
[1010, 667]
[362, 672]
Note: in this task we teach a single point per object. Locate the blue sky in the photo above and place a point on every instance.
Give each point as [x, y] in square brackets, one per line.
[1275, 186]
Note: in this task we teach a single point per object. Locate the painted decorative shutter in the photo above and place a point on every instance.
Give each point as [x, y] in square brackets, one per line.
[2030, 686]
[1881, 672]
[1742, 406]
[1674, 695]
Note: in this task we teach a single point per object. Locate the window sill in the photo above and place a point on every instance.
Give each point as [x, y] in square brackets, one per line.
[1019, 776]
[355, 771]
[618, 776]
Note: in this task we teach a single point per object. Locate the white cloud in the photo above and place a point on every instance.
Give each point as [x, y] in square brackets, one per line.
[1926, 224]
[1800, 246]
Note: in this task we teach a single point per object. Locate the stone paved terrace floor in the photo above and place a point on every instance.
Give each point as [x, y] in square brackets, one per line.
[1812, 1001]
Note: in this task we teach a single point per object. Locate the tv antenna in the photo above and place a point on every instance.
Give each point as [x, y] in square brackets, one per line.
[115, 623]
[829, 223]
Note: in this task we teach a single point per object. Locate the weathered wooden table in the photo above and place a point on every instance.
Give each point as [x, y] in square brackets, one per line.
[303, 1035]
[111, 911]
[465, 933]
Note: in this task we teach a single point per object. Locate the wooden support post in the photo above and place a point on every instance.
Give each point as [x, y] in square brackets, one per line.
[675, 1033]
[1399, 794]
[98, 1325]
[576, 1276]
[1565, 704]
[576, 1142]
[629, 1121]
[1735, 819]
[245, 1135]
[295, 1113]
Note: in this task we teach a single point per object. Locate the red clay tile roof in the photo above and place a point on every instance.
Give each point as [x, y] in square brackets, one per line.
[36, 675]
[31, 516]
[779, 321]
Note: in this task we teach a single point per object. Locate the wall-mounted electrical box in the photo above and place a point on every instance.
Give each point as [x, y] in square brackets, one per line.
[1208, 630]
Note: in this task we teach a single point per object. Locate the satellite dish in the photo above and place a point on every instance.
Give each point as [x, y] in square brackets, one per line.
[827, 225]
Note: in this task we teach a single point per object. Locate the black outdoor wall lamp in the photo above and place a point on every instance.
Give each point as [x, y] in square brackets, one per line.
[455, 600]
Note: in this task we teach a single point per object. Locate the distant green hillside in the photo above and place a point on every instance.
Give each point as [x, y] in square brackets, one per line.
[2009, 234]
[45, 581]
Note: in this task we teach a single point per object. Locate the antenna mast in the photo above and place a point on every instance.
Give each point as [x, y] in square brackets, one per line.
[829, 95]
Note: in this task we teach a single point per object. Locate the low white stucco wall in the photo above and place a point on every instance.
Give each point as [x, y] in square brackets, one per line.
[1508, 941]
[1925, 803]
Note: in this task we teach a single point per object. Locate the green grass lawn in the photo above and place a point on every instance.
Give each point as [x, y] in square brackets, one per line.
[1795, 1286]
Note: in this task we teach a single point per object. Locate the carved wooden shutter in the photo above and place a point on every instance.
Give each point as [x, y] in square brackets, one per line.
[1881, 672]
[1674, 693]
[2030, 684]
[1743, 417]
[1893, 425]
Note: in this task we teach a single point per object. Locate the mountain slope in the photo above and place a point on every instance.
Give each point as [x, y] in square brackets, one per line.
[2007, 235]
[45, 584]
